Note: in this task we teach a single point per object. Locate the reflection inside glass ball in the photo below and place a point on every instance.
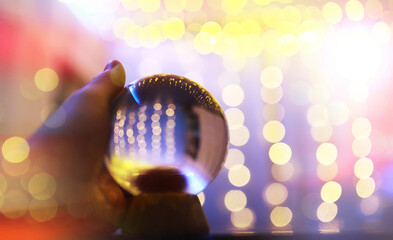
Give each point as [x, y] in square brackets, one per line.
[169, 134]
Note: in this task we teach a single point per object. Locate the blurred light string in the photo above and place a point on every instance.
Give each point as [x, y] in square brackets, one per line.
[275, 194]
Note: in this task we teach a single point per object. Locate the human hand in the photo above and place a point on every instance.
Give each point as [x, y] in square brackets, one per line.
[71, 146]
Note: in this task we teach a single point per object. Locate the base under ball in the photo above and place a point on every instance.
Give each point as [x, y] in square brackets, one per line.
[161, 214]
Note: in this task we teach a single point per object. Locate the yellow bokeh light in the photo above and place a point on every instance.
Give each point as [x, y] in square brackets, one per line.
[204, 43]
[43, 211]
[374, 9]
[361, 128]
[322, 133]
[235, 117]
[15, 149]
[174, 28]
[42, 186]
[233, 95]
[194, 5]
[120, 26]
[235, 200]
[271, 40]
[243, 218]
[291, 14]
[233, 6]
[318, 115]
[331, 192]
[149, 5]
[15, 204]
[364, 167]
[273, 131]
[338, 113]
[361, 147]
[276, 194]
[327, 172]
[16, 169]
[326, 153]
[382, 32]
[327, 212]
[239, 135]
[281, 216]
[251, 45]
[354, 10]
[280, 153]
[239, 175]
[131, 36]
[201, 197]
[175, 5]
[233, 29]
[308, 32]
[234, 157]
[289, 44]
[271, 77]
[46, 79]
[332, 12]
[365, 187]
[271, 95]
[251, 27]
[283, 173]
[369, 206]
[211, 27]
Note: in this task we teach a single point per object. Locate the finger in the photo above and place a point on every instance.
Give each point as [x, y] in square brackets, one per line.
[109, 83]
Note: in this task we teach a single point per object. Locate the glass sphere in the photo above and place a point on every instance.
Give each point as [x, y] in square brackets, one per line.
[168, 134]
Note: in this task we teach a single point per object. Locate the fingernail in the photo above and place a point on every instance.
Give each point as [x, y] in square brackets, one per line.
[112, 64]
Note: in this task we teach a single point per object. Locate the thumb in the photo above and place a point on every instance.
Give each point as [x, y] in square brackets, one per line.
[109, 83]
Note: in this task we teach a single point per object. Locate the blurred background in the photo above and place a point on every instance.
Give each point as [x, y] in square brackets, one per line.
[305, 85]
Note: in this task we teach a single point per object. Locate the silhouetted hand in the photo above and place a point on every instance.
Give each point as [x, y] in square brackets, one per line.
[71, 147]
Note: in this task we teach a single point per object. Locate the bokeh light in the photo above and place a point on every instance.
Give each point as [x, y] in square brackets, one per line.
[283, 173]
[280, 153]
[239, 135]
[354, 10]
[234, 157]
[332, 12]
[327, 211]
[331, 192]
[275, 194]
[235, 200]
[365, 187]
[273, 131]
[233, 95]
[42, 186]
[15, 204]
[370, 205]
[281, 216]
[243, 218]
[327, 172]
[15, 149]
[364, 167]
[361, 128]
[43, 210]
[271, 77]
[239, 175]
[326, 153]
[46, 79]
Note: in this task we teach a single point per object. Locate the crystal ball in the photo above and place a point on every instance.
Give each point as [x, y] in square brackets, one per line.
[168, 134]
